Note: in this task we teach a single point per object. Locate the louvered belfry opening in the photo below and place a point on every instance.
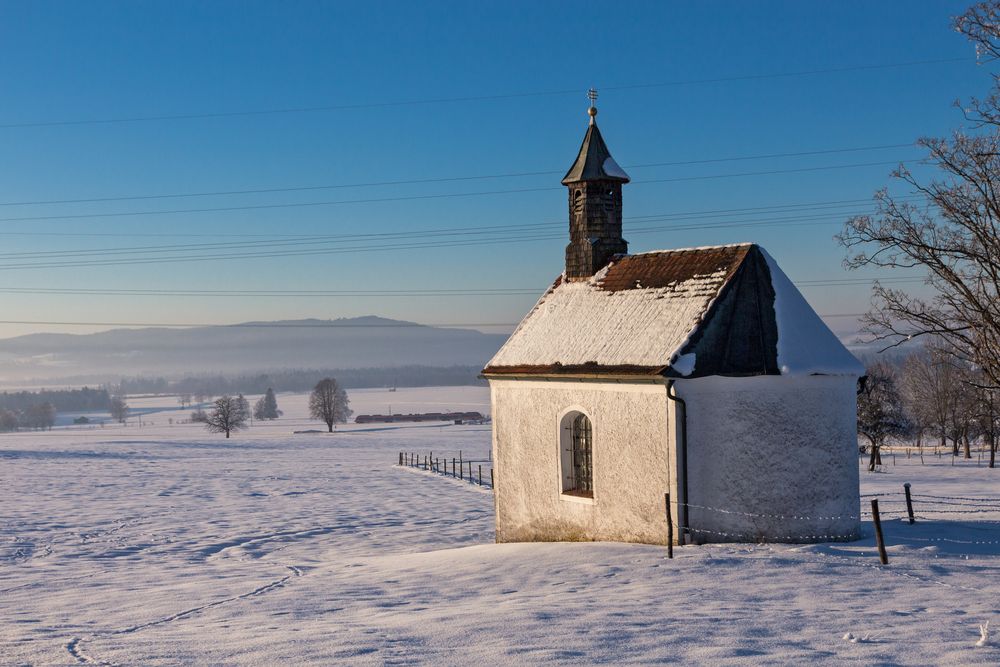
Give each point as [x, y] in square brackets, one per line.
[595, 227]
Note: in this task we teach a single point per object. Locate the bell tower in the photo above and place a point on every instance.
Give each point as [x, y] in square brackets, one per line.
[595, 204]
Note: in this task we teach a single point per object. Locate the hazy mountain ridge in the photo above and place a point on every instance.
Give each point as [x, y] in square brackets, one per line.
[359, 342]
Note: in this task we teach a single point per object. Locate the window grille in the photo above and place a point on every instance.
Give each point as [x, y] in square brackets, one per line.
[583, 480]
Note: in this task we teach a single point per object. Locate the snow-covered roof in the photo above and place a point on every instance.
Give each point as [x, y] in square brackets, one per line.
[721, 310]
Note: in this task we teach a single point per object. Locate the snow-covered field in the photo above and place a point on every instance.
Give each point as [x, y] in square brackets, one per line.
[164, 544]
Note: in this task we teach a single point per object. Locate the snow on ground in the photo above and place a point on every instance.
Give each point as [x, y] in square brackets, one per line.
[168, 545]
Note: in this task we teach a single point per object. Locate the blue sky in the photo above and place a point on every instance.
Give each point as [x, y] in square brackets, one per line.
[94, 61]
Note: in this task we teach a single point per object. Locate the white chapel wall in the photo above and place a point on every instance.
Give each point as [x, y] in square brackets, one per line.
[772, 445]
[630, 452]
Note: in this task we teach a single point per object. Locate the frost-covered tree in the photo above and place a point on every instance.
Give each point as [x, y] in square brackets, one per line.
[880, 410]
[8, 420]
[932, 388]
[266, 406]
[244, 405]
[947, 226]
[329, 403]
[118, 408]
[229, 414]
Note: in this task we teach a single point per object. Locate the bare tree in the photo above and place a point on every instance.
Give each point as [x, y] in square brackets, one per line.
[329, 402]
[228, 415]
[184, 400]
[880, 410]
[987, 412]
[118, 408]
[950, 230]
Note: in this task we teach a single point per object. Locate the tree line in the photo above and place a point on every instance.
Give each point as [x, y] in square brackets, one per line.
[37, 409]
[35, 416]
[929, 397]
[87, 398]
[300, 380]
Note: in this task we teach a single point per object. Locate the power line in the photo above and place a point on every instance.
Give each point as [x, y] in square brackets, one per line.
[62, 262]
[271, 293]
[525, 232]
[371, 248]
[636, 224]
[223, 209]
[741, 211]
[504, 291]
[473, 98]
[443, 179]
[267, 325]
[296, 325]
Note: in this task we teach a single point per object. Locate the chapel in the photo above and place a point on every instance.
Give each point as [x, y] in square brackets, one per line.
[701, 373]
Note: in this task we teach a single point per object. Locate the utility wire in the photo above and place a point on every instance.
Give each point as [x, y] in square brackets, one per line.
[222, 209]
[296, 325]
[488, 234]
[475, 98]
[443, 179]
[832, 204]
[636, 224]
[313, 251]
[508, 291]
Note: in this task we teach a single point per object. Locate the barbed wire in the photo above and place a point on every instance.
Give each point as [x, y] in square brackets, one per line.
[777, 538]
[979, 500]
[770, 516]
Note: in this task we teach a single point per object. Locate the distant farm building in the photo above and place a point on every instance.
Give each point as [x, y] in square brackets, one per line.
[454, 417]
[702, 373]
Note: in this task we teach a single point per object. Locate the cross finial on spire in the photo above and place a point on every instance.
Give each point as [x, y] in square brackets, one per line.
[592, 111]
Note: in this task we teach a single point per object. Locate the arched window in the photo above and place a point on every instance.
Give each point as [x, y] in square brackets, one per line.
[583, 477]
[577, 457]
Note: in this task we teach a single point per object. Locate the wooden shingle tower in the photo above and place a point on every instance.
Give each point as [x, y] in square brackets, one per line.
[595, 204]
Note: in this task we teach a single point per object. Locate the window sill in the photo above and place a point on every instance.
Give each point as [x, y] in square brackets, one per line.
[574, 497]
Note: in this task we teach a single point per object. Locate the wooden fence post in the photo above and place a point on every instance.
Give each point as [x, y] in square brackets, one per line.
[401, 458]
[453, 467]
[670, 527]
[492, 485]
[882, 555]
[480, 474]
[909, 501]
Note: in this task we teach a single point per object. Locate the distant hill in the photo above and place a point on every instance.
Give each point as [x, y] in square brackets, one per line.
[343, 343]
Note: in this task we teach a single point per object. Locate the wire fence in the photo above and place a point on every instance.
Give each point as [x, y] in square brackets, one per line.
[477, 471]
[943, 514]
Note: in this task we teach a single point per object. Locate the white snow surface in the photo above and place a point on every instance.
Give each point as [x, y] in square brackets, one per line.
[166, 545]
[611, 168]
[579, 322]
[806, 346]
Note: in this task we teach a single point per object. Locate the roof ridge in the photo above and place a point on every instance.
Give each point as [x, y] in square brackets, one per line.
[665, 251]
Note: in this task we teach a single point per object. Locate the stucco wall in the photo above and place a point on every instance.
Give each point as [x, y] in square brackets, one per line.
[630, 461]
[775, 445]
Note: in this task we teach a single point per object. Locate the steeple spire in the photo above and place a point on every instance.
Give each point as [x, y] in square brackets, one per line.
[594, 161]
[595, 204]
